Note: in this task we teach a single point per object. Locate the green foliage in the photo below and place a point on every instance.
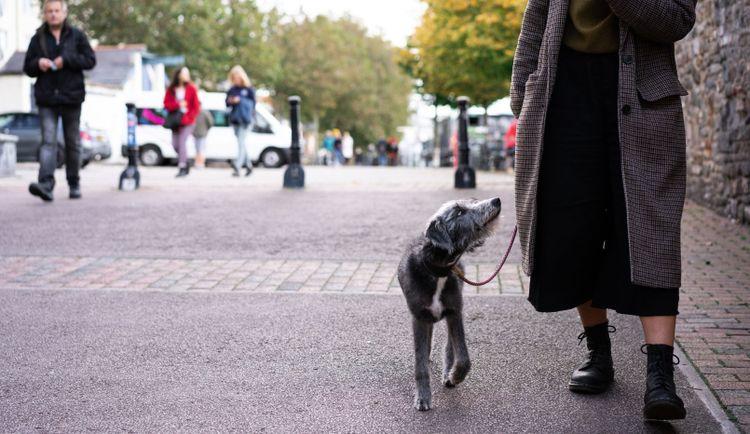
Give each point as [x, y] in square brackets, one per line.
[347, 79]
[465, 47]
[212, 34]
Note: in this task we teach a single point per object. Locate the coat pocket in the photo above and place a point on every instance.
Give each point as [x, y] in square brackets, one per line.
[659, 86]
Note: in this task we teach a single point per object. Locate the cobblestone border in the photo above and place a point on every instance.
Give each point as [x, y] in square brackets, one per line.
[176, 275]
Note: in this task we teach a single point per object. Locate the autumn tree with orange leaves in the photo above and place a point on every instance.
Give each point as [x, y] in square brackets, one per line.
[465, 47]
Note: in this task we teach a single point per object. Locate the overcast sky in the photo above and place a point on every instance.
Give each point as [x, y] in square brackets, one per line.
[394, 19]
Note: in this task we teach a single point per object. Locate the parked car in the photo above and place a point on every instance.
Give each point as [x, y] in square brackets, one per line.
[98, 141]
[268, 143]
[26, 126]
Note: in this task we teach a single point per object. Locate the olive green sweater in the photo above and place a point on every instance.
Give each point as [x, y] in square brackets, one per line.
[591, 27]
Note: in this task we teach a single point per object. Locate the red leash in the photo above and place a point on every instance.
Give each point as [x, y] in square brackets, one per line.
[499, 267]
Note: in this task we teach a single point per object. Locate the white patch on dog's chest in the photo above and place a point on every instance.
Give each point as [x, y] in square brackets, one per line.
[437, 307]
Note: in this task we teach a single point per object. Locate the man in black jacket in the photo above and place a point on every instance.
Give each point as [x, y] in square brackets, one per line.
[57, 56]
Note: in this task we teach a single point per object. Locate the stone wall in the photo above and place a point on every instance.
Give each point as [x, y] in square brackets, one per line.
[714, 65]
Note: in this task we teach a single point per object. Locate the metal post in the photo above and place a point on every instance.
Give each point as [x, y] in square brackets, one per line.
[130, 179]
[294, 177]
[465, 178]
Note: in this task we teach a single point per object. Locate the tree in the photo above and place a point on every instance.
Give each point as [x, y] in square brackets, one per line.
[213, 35]
[347, 79]
[465, 47]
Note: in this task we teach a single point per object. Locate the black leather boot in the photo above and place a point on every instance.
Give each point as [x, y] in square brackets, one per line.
[596, 373]
[75, 192]
[183, 172]
[42, 191]
[661, 401]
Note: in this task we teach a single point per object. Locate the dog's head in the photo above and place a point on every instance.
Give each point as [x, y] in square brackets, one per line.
[458, 227]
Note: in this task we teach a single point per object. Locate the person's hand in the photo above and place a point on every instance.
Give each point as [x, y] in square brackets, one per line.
[235, 99]
[45, 64]
[59, 62]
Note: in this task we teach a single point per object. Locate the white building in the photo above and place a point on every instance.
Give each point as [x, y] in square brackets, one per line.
[19, 19]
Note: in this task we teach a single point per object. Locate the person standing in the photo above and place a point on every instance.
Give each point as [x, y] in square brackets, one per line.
[347, 147]
[57, 56]
[600, 175]
[203, 123]
[241, 101]
[328, 144]
[181, 98]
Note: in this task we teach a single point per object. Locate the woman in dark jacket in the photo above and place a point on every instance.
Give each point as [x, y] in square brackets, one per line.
[600, 174]
[241, 101]
[182, 96]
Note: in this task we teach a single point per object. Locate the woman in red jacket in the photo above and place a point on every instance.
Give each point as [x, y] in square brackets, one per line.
[182, 96]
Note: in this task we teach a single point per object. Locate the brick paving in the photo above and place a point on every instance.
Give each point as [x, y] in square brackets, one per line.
[714, 322]
[314, 276]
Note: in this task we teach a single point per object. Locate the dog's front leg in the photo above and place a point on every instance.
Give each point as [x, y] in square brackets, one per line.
[461, 362]
[447, 362]
[422, 335]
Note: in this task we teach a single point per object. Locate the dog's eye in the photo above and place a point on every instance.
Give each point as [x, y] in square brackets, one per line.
[460, 212]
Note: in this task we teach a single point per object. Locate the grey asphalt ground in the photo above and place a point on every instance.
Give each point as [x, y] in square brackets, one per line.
[164, 362]
[212, 216]
[87, 361]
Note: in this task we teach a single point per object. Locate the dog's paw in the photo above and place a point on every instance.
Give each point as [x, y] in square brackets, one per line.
[447, 381]
[422, 404]
[457, 375]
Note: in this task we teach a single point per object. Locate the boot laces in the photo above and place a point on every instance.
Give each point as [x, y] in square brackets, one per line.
[598, 352]
[660, 372]
[582, 336]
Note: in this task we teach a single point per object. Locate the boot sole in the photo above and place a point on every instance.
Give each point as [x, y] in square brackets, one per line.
[663, 410]
[588, 389]
[38, 192]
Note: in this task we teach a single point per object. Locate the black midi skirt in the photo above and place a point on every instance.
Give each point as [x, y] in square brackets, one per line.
[581, 251]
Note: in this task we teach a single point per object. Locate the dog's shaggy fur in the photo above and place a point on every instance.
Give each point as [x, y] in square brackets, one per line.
[433, 291]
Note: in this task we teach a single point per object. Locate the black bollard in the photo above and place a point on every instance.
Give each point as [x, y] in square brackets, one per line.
[294, 177]
[465, 176]
[130, 179]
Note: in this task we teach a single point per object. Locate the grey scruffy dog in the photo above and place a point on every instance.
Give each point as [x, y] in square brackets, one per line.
[433, 291]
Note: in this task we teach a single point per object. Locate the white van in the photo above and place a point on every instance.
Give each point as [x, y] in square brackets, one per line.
[268, 143]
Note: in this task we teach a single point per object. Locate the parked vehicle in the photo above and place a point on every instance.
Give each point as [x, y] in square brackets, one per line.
[98, 141]
[26, 126]
[268, 143]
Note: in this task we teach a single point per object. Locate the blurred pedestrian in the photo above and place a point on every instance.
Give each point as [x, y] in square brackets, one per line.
[328, 144]
[241, 101]
[392, 151]
[203, 123]
[382, 149]
[338, 156]
[182, 104]
[57, 56]
[347, 147]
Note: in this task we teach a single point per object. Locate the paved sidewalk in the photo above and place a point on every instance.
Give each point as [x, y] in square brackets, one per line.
[714, 320]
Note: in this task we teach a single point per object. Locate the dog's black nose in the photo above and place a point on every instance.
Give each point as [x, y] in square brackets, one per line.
[496, 202]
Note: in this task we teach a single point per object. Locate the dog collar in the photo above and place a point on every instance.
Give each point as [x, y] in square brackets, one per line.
[439, 271]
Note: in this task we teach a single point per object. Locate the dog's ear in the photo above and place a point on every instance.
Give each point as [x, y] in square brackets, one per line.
[437, 235]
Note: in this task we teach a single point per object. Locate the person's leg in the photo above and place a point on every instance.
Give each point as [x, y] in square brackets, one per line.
[659, 329]
[185, 133]
[199, 151]
[71, 118]
[241, 151]
[591, 316]
[48, 151]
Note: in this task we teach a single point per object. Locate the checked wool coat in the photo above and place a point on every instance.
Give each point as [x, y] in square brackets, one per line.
[651, 124]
